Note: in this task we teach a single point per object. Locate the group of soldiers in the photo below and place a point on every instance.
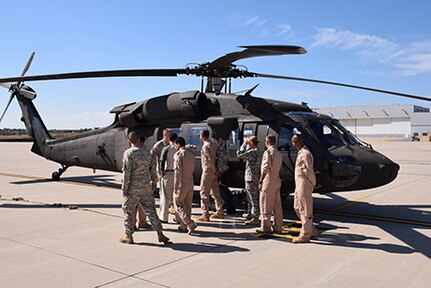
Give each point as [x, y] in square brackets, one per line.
[171, 164]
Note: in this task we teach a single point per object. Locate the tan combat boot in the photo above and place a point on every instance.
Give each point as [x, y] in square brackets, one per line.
[300, 240]
[217, 216]
[128, 239]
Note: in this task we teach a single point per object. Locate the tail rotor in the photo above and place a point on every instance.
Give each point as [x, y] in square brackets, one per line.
[19, 87]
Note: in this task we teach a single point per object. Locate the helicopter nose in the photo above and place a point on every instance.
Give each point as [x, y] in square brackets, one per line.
[388, 170]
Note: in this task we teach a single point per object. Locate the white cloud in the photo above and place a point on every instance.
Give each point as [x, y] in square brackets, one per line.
[415, 64]
[262, 27]
[284, 29]
[408, 59]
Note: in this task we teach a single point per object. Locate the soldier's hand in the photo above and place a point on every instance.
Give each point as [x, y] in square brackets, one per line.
[317, 186]
[218, 173]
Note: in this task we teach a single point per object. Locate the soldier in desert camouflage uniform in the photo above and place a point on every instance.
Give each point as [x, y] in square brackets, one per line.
[139, 178]
[249, 152]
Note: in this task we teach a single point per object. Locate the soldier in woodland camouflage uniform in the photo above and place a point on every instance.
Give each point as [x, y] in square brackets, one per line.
[249, 152]
[139, 178]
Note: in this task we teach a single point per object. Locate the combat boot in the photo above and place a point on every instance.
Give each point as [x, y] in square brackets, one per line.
[162, 237]
[128, 239]
[144, 225]
[192, 227]
[247, 216]
[217, 216]
[253, 221]
[300, 240]
[203, 218]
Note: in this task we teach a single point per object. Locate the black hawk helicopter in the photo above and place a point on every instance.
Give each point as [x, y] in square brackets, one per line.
[342, 161]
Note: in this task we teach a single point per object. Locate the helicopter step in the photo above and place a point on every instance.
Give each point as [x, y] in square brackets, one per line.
[56, 174]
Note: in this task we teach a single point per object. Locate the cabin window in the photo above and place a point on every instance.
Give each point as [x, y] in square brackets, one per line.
[176, 130]
[285, 139]
[194, 137]
[233, 139]
[248, 131]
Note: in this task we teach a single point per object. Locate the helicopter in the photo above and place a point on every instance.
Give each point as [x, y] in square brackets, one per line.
[342, 161]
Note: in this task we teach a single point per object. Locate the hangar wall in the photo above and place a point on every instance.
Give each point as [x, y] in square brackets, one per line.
[392, 121]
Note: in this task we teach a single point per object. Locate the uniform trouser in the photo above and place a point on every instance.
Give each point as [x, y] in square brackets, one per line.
[209, 186]
[139, 211]
[303, 204]
[166, 191]
[183, 202]
[270, 203]
[252, 191]
[146, 199]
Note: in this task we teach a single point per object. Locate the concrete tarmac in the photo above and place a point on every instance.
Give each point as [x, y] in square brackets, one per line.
[65, 234]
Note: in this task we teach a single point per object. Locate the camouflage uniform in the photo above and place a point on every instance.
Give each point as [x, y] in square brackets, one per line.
[251, 178]
[139, 176]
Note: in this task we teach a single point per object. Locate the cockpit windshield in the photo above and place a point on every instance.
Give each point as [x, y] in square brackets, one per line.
[328, 135]
[347, 135]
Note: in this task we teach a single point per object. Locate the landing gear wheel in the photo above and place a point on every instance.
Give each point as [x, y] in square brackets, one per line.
[55, 176]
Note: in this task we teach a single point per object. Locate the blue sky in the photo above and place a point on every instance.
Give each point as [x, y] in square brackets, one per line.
[382, 44]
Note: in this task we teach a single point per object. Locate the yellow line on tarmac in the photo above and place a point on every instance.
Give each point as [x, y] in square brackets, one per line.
[349, 204]
[49, 180]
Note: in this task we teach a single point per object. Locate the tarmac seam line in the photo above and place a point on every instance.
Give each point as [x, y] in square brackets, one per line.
[134, 275]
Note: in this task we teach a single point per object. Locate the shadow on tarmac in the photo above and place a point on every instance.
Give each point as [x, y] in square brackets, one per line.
[199, 247]
[401, 221]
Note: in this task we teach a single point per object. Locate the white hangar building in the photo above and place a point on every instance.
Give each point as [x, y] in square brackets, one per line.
[392, 121]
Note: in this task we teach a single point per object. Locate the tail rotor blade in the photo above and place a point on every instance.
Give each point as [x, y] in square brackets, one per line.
[7, 106]
[27, 66]
[6, 85]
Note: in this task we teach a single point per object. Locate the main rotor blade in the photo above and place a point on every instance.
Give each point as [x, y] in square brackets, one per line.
[341, 84]
[100, 74]
[225, 61]
[7, 106]
[28, 64]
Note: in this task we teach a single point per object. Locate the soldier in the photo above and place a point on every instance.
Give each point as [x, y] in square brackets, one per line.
[305, 182]
[209, 179]
[167, 178]
[156, 152]
[139, 178]
[269, 186]
[184, 163]
[139, 214]
[249, 152]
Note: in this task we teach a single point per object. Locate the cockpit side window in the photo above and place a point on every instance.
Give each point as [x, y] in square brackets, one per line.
[328, 136]
[284, 139]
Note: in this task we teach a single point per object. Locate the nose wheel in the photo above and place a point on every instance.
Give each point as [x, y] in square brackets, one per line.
[56, 174]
